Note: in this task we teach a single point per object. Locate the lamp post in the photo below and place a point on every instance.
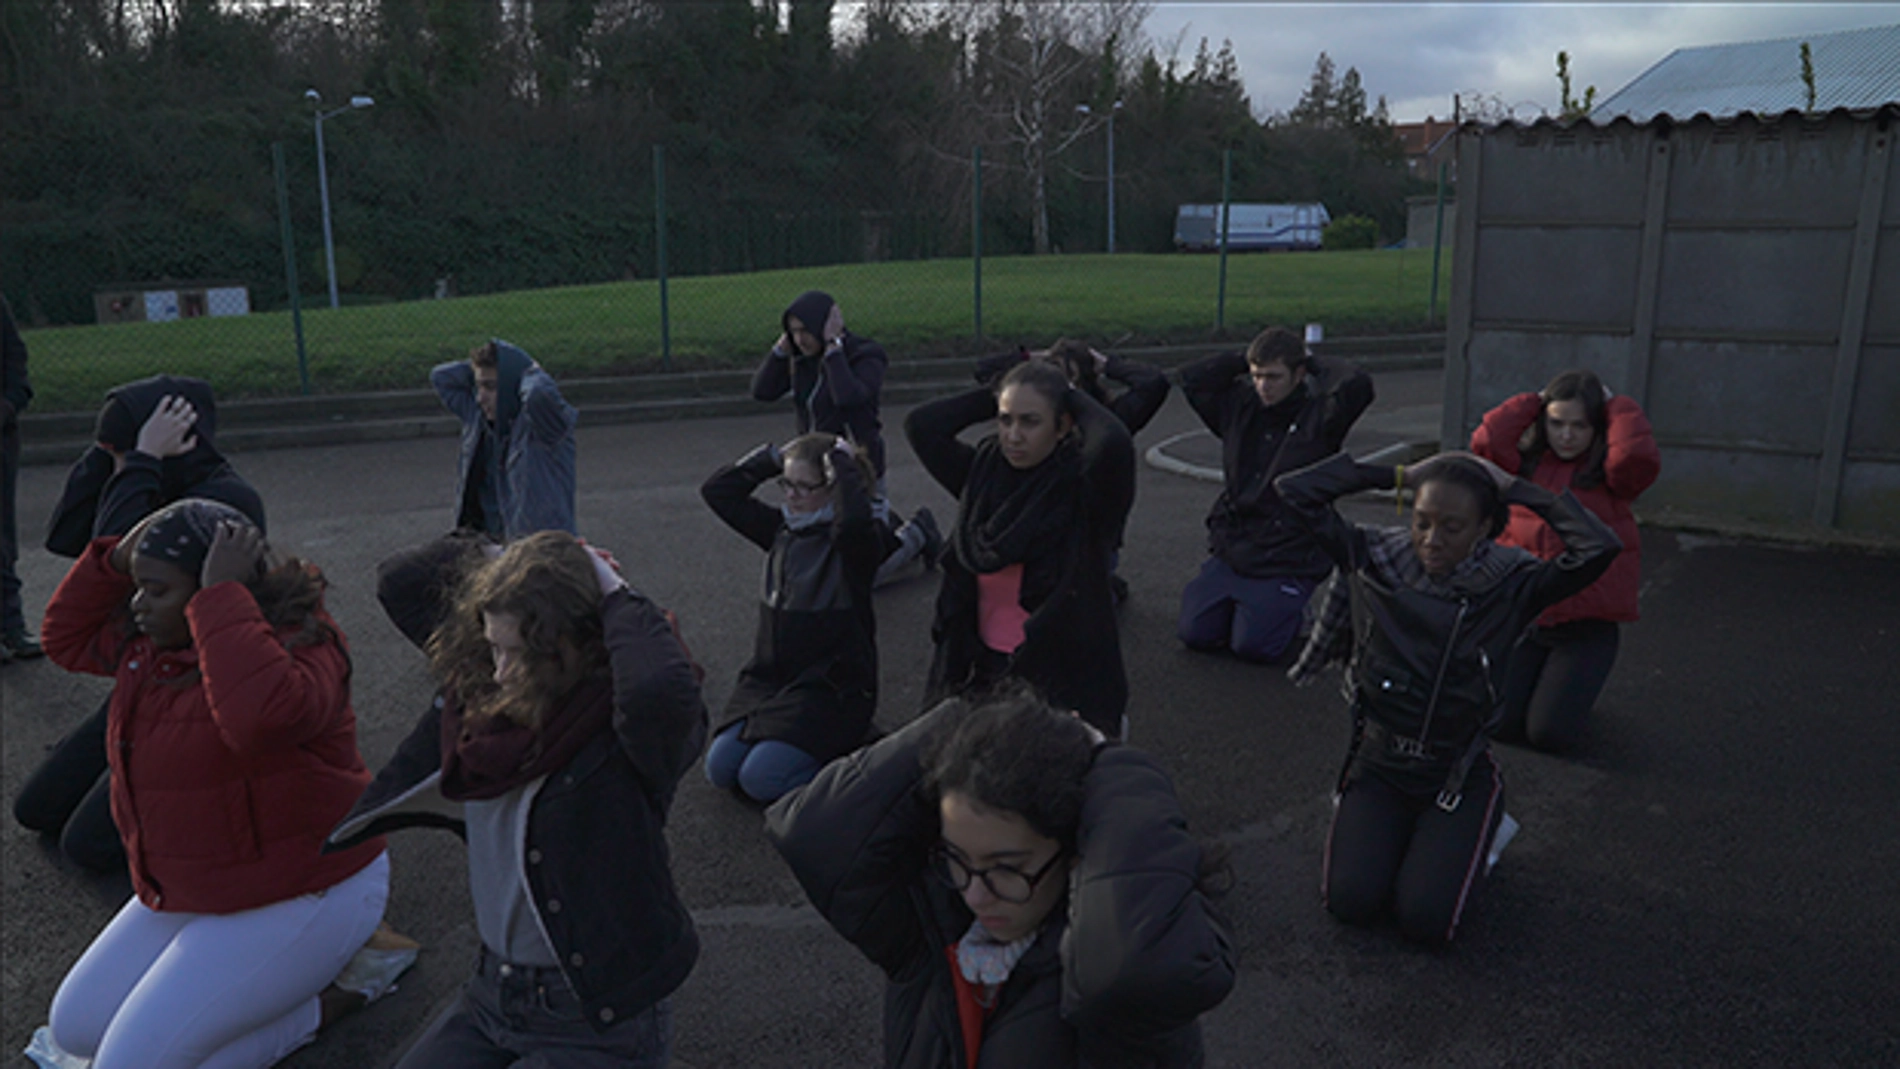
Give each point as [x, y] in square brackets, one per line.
[323, 177]
[1084, 109]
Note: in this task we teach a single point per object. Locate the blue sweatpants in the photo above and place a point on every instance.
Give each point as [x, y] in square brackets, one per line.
[1257, 619]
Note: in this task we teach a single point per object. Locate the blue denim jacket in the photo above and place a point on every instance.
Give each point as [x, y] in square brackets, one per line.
[533, 468]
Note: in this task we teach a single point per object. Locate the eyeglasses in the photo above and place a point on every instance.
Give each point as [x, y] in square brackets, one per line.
[1007, 882]
[793, 486]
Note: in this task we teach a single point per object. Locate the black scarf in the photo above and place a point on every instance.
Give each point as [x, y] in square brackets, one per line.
[1030, 517]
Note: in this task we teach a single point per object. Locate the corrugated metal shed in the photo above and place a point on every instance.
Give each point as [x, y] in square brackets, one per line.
[1854, 69]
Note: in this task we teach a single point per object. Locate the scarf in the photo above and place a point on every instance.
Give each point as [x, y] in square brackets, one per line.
[1391, 560]
[492, 756]
[798, 521]
[1010, 516]
[983, 960]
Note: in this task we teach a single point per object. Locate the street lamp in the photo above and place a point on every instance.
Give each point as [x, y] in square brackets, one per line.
[1085, 110]
[323, 177]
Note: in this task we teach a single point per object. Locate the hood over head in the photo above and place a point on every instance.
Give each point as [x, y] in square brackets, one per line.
[812, 308]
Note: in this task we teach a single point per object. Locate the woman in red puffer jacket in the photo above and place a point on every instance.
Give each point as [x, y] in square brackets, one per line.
[1574, 435]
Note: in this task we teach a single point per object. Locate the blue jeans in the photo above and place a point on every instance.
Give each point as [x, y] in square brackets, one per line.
[764, 770]
[1255, 618]
[528, 1018]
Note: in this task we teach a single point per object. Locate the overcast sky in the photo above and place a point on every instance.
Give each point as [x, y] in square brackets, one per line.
[1417, 54]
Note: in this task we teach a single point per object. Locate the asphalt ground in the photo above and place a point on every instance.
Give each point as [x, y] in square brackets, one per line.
[1709, 882]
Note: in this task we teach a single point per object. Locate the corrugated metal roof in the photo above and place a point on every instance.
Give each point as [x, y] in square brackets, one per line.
[1855, 69]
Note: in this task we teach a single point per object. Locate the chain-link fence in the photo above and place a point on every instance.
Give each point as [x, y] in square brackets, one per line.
[657, 281]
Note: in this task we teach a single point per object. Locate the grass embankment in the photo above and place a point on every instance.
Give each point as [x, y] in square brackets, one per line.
[915, 309]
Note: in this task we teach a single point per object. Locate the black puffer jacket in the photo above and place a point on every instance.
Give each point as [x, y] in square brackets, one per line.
[812, 680]
[598, 865]
[97, 501]
[1071, 647]
[1428, 667]
[1249, 528]
[1121, 970]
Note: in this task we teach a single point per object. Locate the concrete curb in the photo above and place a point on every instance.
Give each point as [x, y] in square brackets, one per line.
[338, 419]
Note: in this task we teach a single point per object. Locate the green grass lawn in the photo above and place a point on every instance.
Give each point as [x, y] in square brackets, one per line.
[916, 309]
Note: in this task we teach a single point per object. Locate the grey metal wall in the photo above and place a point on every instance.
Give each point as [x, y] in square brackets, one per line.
[1741, 279]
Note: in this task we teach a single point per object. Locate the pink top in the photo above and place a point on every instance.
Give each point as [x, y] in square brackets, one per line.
[999, 608]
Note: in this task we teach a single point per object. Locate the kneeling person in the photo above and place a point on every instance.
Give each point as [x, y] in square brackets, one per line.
[810, 690]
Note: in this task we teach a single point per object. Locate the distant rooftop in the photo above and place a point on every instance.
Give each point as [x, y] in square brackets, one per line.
[1853, 69]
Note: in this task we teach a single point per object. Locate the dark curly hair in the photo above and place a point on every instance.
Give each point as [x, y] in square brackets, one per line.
[547, 582]
[1008, 750]
[1578, 385]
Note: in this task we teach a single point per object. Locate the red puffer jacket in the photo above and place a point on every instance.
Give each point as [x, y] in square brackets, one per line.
[231, 758]
[1630, 464]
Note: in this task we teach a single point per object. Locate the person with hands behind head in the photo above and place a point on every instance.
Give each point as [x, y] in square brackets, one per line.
[1144, 388]
[810, 689]
[1032, 894]
[1424, 618]
[1276, 409]
[233, 750]
[1573, 435]
[836, 380]
[515, 475]
[153, 445]
[566, 713]
[1040, 502]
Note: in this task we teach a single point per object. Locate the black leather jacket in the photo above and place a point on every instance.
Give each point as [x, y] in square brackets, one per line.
[1121, 971]
[596, 851]
[1428, 668]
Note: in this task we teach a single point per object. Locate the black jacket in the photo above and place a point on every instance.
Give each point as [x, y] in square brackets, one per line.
[1428, 671]
[96, 501]
[836, 392]
[812, 680]
[598, 865]
[1071, 648]
[1121, 970]
[1249, 528]
[1144, 388]
[14, 385]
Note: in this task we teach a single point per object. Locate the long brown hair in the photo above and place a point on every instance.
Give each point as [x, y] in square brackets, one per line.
[546, 581]
[1578, 385]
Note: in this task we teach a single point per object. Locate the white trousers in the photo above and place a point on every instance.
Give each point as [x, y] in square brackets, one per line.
[214, 990]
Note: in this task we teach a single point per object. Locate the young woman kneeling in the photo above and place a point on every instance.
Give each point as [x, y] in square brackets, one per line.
[1425, 617]
[233, 750]
[1032, 892]
[810, 690]
[1040, 505]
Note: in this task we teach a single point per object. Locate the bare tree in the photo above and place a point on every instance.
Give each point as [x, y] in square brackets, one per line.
[1031, 62]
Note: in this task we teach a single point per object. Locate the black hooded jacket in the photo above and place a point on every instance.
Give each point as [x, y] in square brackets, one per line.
[835, 392]
[1121, 970]
[97, 501]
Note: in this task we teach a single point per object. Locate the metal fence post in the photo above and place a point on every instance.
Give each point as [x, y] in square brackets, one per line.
[1438, 240]
[1226, 190]
[659, 253]
[976, 243]
[290, 262]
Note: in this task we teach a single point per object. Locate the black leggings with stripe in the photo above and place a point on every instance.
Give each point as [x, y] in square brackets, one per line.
[1395, 851]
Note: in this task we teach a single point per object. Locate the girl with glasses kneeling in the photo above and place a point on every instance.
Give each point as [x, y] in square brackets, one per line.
[1031, 891]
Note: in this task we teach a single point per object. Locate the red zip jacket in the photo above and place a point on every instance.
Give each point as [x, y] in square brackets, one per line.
[231, 759]
[1630, 464]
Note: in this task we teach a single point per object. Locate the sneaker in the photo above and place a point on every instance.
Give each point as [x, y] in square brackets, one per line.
[933, 538]
[20, 646]
[1507, 830]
